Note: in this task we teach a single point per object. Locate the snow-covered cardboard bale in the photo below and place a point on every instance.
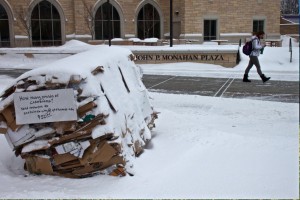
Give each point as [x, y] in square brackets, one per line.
[79, 116]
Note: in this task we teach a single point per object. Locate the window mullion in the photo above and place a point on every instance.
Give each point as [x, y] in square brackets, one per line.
[40, 25]
[103, 21]
[52, 25]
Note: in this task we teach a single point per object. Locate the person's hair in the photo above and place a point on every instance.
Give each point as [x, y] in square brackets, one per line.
[259, 33]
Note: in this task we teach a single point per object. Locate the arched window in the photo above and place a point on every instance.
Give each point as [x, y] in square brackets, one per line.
[4, 28]
[105, 12]
[45, 25]
[148, 22]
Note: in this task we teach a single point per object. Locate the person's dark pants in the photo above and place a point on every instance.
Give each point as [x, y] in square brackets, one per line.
[253, 61]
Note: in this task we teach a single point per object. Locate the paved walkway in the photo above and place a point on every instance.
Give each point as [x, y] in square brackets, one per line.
[281, 91]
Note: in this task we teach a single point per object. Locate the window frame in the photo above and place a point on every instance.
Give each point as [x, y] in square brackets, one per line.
[256, 28]
[38, 39]
[143, 22]
[210, 36]
[5, 22]
[116, 26]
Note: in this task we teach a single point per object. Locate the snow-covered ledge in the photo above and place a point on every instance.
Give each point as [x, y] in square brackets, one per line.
[223, 55]
[235, 37]
[194, 37]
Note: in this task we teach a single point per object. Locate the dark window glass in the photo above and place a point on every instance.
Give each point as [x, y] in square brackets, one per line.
[103, 14]
[258, 25]
[46, 30]
[45, 10]
[35, 30]
[156, 33]
[35, 13]
[210, 30]
[4, 28]
[98, 30]
[56, 30]
[141, 31]
[105, 11]
[55, 14]
[45, 25]
[148, 10]
[116, 15]
[117, 29]
[156, 15]
[99, 14]
[105, 30]
[3, 14]
[141, 15]
[148, 24]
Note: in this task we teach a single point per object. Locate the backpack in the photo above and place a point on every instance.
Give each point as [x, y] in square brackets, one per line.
[247, 48]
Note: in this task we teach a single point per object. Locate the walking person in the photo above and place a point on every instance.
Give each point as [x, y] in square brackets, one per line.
[257, 48]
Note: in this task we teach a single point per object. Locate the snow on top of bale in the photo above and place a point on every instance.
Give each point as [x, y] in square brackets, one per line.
[108, 87]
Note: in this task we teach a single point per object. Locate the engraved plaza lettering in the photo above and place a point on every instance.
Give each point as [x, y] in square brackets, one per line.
[180, 57]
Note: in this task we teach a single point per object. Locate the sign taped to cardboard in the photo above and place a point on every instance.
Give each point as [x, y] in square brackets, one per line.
[45, 106]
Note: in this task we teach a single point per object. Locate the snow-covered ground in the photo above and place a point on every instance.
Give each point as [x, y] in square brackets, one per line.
[202, 147]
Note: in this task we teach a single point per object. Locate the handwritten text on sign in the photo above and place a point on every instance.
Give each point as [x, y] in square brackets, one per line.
[45, 106]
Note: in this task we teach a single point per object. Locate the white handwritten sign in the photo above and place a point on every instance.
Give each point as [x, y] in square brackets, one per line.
[45, 106]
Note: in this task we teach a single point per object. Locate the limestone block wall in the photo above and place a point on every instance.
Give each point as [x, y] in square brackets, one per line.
[233, 16]
[226, 59]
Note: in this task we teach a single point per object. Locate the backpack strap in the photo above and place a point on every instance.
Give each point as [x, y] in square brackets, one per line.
[252, 40]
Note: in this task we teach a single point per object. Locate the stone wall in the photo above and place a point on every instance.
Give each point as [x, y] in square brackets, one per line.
[288, 28]
[233, 16]
[228, 59]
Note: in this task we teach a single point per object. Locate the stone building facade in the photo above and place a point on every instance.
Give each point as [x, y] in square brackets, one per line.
[289, 25]
[53, 22]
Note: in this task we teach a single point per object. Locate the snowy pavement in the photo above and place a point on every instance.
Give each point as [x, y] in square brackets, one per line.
[202, 146]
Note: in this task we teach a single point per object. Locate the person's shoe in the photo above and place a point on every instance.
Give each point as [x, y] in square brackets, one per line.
[264, 78]
[245, 79]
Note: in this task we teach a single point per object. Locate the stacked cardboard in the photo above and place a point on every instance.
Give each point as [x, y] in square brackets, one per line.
[73, 148]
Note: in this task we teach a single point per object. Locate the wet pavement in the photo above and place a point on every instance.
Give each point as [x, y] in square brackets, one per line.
[280, 91]
[14, 73]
